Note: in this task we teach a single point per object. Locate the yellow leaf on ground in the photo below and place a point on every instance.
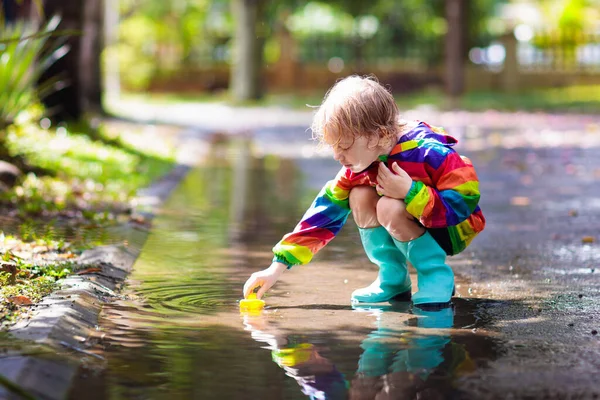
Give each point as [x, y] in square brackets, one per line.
[588, 239]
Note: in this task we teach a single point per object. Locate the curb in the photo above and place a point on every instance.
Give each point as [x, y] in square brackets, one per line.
[64, 318]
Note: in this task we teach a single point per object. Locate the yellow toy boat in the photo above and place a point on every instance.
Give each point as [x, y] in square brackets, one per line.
[251, 304]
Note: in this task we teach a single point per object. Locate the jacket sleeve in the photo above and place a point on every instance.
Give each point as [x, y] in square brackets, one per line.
[453, 195]
[319, 225]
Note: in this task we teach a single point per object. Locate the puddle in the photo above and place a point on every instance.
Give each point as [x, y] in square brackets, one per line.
[179, 334]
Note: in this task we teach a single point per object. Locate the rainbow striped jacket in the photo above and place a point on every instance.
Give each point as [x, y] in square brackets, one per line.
[444, 194]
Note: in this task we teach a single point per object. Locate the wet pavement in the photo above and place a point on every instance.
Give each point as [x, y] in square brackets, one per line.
[522, 325]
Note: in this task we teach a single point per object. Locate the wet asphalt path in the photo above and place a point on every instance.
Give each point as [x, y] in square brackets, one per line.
[535, 268]
[537, 264]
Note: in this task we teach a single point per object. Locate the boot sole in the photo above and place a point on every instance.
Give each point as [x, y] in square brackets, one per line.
[404, 296]
[436, 306]
[433, 306]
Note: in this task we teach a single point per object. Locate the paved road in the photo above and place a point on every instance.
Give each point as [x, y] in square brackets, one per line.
[536, 265]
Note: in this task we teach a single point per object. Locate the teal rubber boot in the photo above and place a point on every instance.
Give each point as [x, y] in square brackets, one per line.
[435, 277]
[393, 280]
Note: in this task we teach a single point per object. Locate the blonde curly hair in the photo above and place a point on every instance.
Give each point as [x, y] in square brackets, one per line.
[357, 106]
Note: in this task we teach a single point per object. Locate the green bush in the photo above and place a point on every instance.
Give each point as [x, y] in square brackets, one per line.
[24, 55]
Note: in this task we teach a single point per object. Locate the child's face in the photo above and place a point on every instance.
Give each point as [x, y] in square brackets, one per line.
[357, 153]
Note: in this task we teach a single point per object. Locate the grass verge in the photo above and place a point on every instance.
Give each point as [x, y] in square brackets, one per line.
[90, 173]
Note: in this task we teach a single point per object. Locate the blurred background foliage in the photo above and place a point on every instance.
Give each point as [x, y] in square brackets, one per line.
[158, 39]
[208, 48]
[189, 45]
[56, 157]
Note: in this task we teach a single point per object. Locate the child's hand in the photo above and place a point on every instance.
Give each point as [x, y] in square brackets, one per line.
[394, 184]
[263, 279]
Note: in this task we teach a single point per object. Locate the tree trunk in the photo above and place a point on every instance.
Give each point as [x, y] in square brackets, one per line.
[79, 70]
[92, 43]
[455, 18]
[9, 10]
[247, 53]
[14, 10]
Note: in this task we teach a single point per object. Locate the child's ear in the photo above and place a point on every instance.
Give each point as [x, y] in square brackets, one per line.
[375, 140]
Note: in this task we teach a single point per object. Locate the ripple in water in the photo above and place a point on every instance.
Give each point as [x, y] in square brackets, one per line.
[186, 297]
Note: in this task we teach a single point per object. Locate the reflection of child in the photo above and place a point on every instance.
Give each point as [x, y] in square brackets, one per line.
[412, 195]
[317, 376]
[395, 363]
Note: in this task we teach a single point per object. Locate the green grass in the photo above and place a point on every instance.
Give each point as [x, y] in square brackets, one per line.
[90, 176]
[584, 99]
[82, 173]
[564, 99]
[28, 272]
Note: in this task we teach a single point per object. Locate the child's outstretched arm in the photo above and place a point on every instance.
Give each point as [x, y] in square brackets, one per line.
[264, 279]
[319, 225]
[453, 195]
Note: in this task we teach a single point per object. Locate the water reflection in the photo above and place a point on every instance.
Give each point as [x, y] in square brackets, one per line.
[410, 354]
[397, 362]
[178, 334]
[317, 376]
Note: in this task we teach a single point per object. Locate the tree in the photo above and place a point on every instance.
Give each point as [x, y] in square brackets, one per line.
[246, 83]
[455, 17]
[254, 22]
[9, 10]
[79, 70]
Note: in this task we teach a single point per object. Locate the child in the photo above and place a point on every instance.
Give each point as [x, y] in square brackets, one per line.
[412, 196]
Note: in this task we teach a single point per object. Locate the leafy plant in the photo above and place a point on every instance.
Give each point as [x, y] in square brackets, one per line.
[24, 55]
[56, 271]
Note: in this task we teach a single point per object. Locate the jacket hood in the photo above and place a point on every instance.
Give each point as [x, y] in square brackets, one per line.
[426, 132]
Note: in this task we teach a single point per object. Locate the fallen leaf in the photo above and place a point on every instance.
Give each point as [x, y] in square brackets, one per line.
[20, 300]
[88, 271]
[573, 213]
[588, 239]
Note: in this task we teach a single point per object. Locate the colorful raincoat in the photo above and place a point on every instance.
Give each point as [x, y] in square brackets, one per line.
[444, 196]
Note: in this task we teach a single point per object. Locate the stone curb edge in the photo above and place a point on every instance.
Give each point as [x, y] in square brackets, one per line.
[64, 318]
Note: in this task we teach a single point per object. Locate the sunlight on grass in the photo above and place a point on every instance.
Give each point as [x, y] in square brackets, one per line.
[82, 172]
[285, 100]
[568, 99]
[85, 178]
[28, 272]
